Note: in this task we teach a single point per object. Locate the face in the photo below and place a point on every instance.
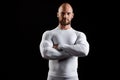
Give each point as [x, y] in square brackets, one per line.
[65, 15]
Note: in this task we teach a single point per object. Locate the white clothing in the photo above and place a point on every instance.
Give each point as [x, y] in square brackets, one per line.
[71, 45]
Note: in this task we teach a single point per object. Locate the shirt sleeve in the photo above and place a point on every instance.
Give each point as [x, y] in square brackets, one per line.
[46, 48]
[80, 48]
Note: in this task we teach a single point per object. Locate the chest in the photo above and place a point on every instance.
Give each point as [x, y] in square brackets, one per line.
[64, 37]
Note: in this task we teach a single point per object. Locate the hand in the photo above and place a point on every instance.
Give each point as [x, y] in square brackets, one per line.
[55, 46]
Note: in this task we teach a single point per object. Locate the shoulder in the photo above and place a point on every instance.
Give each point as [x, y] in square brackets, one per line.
[48, 33]
[80, 33]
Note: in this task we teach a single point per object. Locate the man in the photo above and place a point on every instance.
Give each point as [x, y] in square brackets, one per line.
[62, 46]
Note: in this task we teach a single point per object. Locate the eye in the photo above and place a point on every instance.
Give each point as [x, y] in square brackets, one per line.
[62, 13]
[68, 13]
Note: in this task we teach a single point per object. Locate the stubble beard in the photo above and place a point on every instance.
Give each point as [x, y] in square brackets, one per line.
[64, 22]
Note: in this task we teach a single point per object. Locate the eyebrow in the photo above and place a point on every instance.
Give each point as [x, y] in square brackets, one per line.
[66, 12]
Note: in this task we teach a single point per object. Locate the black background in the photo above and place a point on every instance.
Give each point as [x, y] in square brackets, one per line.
[33, 18]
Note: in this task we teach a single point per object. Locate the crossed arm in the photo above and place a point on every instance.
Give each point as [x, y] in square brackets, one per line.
[54, 51]
[50, 51]
[80, 48]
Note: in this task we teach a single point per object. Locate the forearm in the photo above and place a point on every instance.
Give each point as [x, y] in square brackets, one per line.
[53, 54]
[48, 50]
[76, 50]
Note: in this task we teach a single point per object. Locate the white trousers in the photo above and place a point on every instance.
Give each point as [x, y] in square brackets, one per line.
[62, 78]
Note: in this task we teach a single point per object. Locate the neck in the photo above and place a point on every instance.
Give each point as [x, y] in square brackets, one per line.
[64, 27]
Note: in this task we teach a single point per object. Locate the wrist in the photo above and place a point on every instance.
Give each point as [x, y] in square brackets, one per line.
[60, 47]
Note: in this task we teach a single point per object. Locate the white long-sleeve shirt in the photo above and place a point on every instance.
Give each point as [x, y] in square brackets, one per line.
[71, 45]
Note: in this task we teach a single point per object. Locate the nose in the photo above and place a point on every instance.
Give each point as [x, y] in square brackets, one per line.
[65, 15]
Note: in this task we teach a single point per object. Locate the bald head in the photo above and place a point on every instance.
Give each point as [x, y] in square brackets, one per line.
[64, 7]
[65, 14]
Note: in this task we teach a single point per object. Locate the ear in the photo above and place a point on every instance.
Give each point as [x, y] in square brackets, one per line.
[57, 14]
[72, 15]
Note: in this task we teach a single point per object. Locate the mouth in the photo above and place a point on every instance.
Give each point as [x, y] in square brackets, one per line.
[65, 20]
